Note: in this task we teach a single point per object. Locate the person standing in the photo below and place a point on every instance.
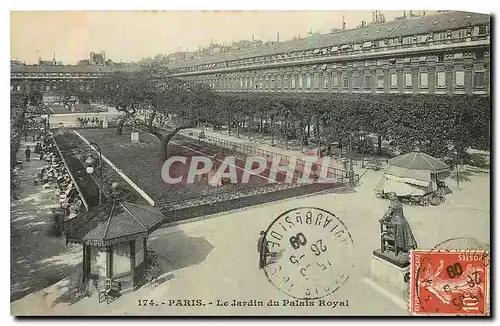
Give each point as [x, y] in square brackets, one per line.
[262, 249]
[27, 153]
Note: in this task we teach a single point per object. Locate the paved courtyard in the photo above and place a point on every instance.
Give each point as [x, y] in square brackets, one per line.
[215, 258]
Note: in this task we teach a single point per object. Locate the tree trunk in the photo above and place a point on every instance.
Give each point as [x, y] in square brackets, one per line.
[238, 129]
[309, 128]
[261, 125]
[229, 127]
[379, 148]
[248, 128]
[119, 129]
[272, 130]
[302, 142]
[286, 131]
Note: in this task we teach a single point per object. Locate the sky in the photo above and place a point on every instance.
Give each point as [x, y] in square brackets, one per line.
[133, 35]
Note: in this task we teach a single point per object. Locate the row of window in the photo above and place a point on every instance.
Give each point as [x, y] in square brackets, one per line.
[355, 80]
[54, 75]
[46, 87]
[460, 35]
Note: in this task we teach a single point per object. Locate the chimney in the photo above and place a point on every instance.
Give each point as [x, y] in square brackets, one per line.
[253, 38]
[278, 37]
[343, 23]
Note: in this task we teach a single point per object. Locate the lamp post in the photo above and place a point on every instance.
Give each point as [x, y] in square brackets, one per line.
[351, 170]
[89, 163]
[362, 138]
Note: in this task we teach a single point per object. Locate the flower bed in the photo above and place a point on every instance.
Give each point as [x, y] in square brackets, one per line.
[141, 163]
[74, 151]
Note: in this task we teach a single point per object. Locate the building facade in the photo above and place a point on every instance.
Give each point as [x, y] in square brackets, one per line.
[447, 53]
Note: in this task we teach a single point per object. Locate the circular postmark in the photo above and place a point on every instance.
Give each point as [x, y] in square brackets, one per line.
[312, 253]
[453, 278]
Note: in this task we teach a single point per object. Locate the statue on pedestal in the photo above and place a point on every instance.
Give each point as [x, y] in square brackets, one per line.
[396, 236]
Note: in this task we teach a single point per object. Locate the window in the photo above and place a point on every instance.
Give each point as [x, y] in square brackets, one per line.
[459, 78]
[121, 258]
[139, 252]
[285, 82]
[368, 81]
[278, 82]
[300, 81]
[316, 80]
[441, 79]
[335, 81]
[346, 81]
[408, 81]
[479, 79]
[241, 83]
[424, 82]
[480, 55]
[461, 33]
[380, 81]
[325, 81]
[356, 81]
[308, 81]
[292, 84]
[440, 57]
[273, 82]
[482, 30]
[394, 80]
[98, 263]
[250, 83]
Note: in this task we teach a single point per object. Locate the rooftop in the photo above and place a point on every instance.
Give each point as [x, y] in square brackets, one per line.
[113, 223]
[399, 28]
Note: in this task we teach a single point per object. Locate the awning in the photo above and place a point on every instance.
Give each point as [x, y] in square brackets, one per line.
[419, 161]
[411, 181]
[422, 175]
[400, 188]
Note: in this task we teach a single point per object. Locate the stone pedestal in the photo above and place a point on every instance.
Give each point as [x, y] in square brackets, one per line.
[134, 136]
[391, 273]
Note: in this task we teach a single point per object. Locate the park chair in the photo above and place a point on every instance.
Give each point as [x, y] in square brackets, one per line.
[388, 233]
[153, 270]
[110, 292]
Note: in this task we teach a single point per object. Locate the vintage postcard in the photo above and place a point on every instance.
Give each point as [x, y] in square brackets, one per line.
[250, 163]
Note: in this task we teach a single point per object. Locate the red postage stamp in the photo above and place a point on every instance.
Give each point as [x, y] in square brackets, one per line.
[449, 282]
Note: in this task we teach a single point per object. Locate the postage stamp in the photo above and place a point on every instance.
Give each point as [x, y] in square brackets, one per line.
[449, 282]
[313, 253]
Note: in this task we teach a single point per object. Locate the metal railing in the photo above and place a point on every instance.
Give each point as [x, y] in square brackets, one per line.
[317, 170]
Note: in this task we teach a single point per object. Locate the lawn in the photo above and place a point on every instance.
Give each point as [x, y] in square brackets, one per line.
[141, 163]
